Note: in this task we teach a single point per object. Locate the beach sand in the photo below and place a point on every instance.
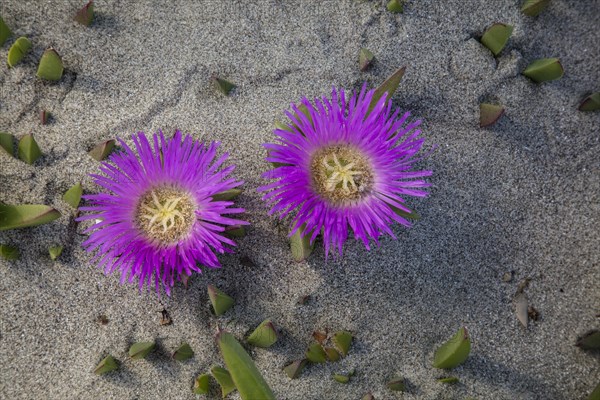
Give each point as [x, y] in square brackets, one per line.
[520, 196]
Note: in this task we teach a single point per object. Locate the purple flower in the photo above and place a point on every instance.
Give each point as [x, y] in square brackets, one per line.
[156, 217]
[341, 166]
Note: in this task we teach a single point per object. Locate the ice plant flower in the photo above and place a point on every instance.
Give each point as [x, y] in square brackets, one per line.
[156, 218]
[341, 167]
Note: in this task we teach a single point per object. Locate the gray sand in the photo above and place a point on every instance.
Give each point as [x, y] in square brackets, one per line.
[522, 196]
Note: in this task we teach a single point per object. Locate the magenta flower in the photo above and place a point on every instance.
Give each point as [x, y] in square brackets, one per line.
[342, 167]
[157, 218]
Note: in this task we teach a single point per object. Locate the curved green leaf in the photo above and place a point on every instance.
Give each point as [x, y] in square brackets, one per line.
[55, 252]
[183, 353]
[590, 340]
[51, 66]
[595, 395]
[496, 36]
[25, 215]
[389, 86]
[448, 380]
[395, 6]
[294, 369]
[18, 50]
[591, 102]
[316, 354]
[544, 69]
[9, 252]
[341, 378]
[454, 352]
[534, 7]
[264, 335]
[226, 195]
[397, 385]
[489, 114]
[202, 384]
[106, 365]
[29, 151]
[140, 350]
[365, 58]
[342, 341]
[73, 195]
[300, 245]
[223, 85]
[224, 380]
[244, 373]
[102, 150]
[5, 32]
[85, 16]
[6, 142]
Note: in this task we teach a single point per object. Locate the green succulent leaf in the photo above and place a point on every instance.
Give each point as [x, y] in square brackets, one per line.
[25, 215]
[590, 340]
[341, 378]
[223, 377]
[591, 102]
[223, 85]
[55, 252]
[406, 215]
[533, 7]
[9, 252]
[454, 352]
[184, 352]
[102, 150]
[18, 50]
[368, 396]
[264, 335]
[106, 365]
[397, 385]
[342, 341]
[389, 86]
[235, 231]
[6, 142]
[595, 395]
[85, 15]
[294, 369]
[202, 384]
[496, 36]
[448, 380]
[244, 373]
[44, 116]
[51, 66]
[220, 301]
[544, 69]
[73, 195]
[227, 195]
[365, 59]
[300, 245]
[395, 6]
[29, 151]
[5, 32]
[140, 350]
[489, 114]
[316, 354]
[332, 354]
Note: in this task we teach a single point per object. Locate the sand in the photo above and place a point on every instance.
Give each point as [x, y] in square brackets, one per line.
[520, 196]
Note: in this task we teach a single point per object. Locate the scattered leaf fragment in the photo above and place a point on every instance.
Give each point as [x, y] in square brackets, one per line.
[220, 301]
[332, 354]
[106, 365]
[341, 378]
[389, 86]
[316, 354]
[496, 36]
[102, 319]
[544, 69]
[342, 341]
[521, 308]
[235, 231]
[102, 150]
[533, 313]
[202, 384]
[508, 276]
[395, 6]
[6, 142]
[165, 318]
[302, 300]
[29, 151]
[533, 7]
[365, 59]
[489, 114]
[183, 353]
[294, 369]
[223, 85]
[73, 195]
[9, 252]
[245, 375]
[140, 350]
[264, 335]
[320, 337]
[368, 396]
[51, 66]
[18, 50]
[85, 15]
[590, 340]
[449, 380]
[224, 380]
[590, 103]
[454, 352]
[300, 245]
[227, 195]
[5, 32]
[397, 385]
[44, 116]
[25, 215]
[595, 395]
[55, 252]
[406, 215]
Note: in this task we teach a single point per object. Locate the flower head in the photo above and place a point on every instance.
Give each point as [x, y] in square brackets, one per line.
[341, 166]
[156, 217]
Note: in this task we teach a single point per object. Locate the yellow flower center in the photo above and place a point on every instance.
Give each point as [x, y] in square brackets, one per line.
[166, 214]
[341, 174]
